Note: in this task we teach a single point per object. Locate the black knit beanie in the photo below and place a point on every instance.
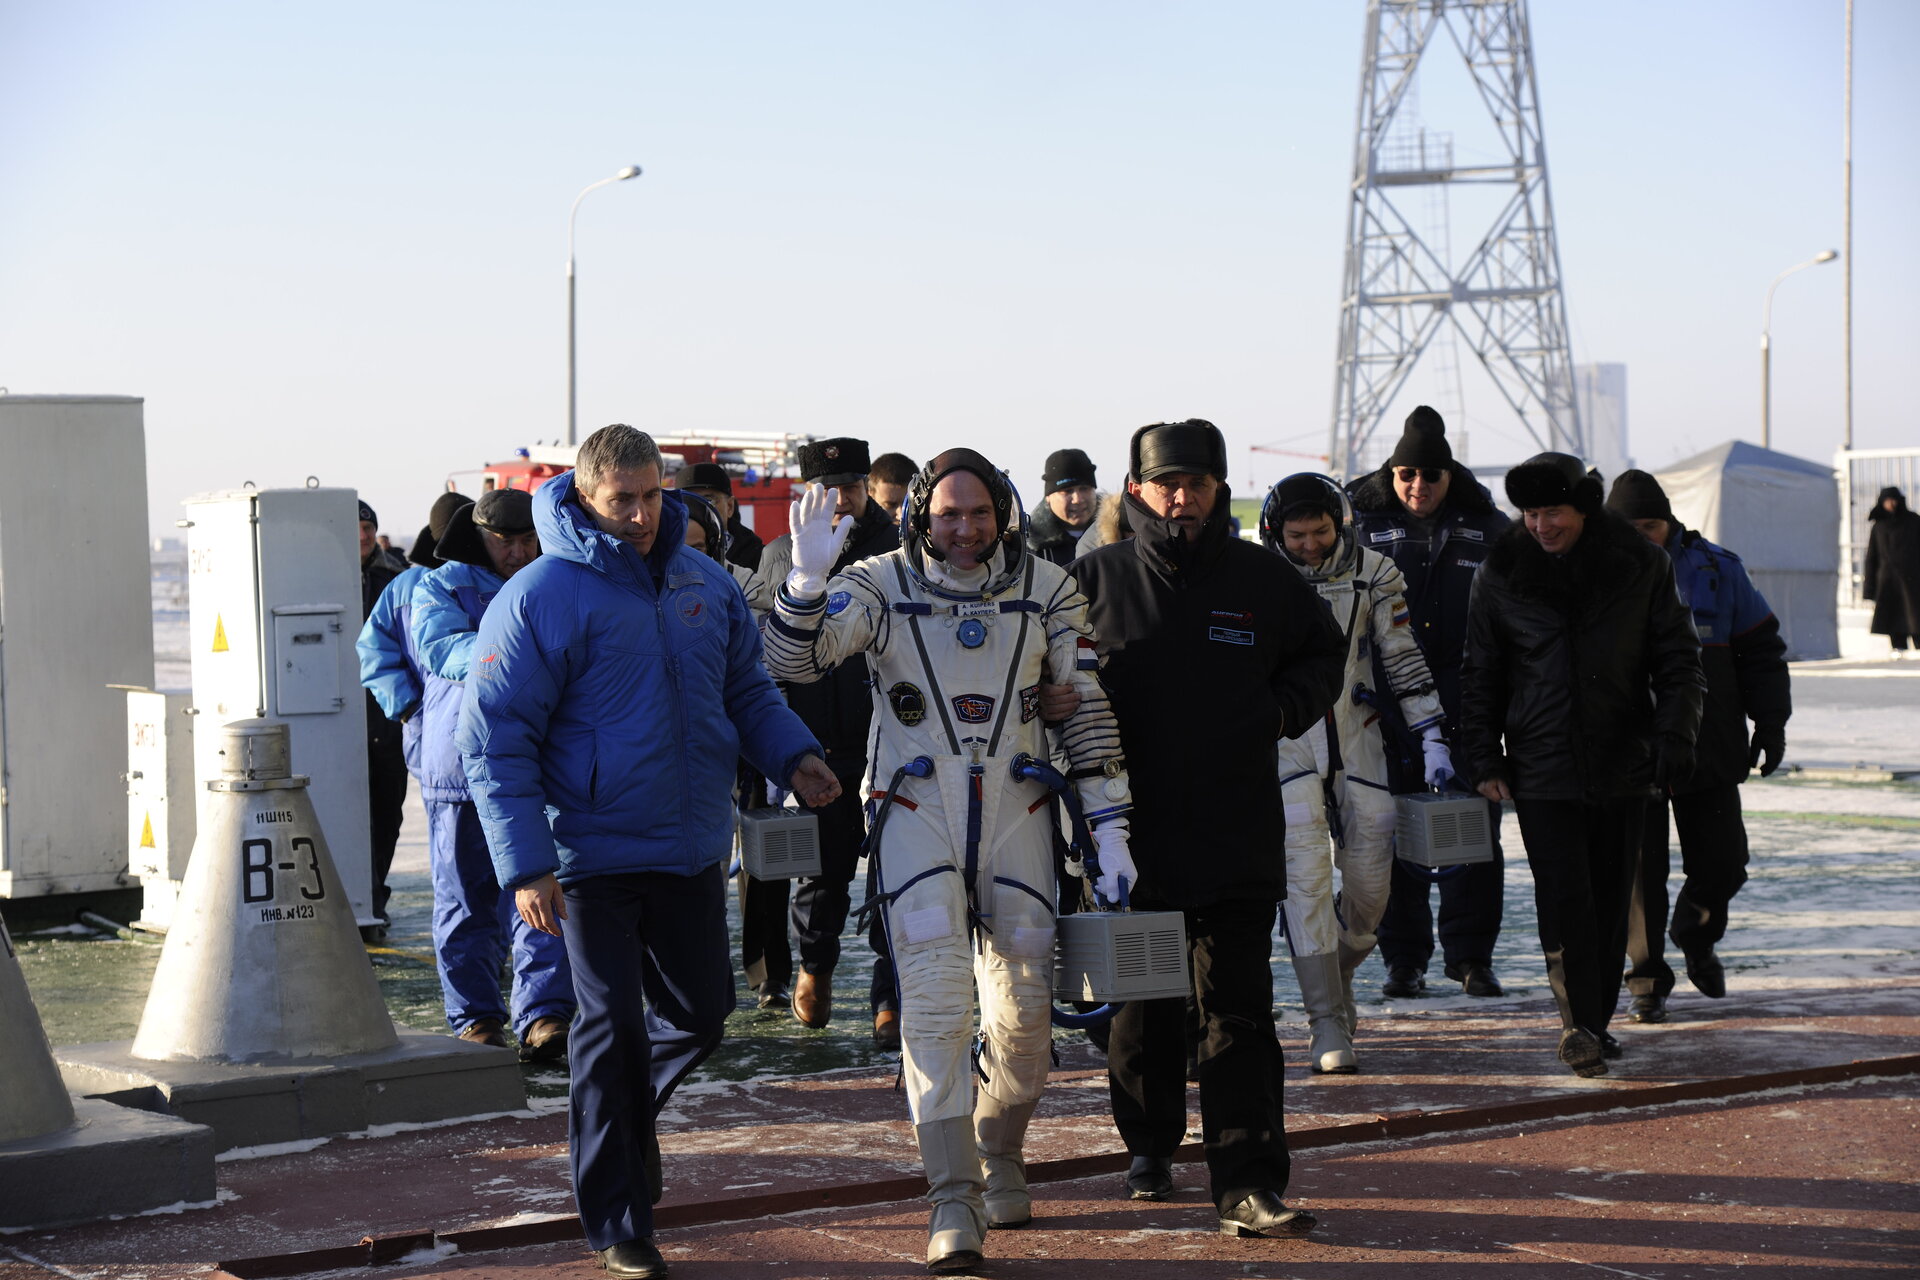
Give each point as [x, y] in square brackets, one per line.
[1423, 442]
[1638, 496]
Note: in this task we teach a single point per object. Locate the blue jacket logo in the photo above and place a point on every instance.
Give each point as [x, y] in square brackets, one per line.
[838, 601]
[692, 610]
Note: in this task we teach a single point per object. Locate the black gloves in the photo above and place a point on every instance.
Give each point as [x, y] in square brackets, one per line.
[1672, 761]
[1769, 740]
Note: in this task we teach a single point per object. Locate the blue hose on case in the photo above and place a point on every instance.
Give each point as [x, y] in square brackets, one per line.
[1028, 769]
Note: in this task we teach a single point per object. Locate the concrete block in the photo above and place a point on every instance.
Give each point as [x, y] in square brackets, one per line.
[112, 1161]
[425, 1077]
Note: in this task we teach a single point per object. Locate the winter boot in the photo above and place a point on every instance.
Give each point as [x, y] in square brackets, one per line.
[1002, 1130]
[1331, 1050]
[957, 1227]
[1350, 962]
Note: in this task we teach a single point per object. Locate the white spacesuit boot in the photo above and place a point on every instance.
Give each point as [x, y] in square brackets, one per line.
[957, 1227]
[1330, 1050]
[1001, 1128]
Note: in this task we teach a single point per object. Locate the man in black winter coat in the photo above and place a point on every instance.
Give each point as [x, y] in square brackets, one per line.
[711, 481]
[1890, 577]
[1580, 700]
[386, 757]
[837, 709]
[1744, 659]
[1068, 503]
[1437, 523]
[1214, 649]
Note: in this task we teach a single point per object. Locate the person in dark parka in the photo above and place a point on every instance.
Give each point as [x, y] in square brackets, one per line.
[386, 753]
[1213, 650]
[1426, 511]
[1890, 578]
[1580, 698]
[710, 481]
[1067, 507]
[1744, 658]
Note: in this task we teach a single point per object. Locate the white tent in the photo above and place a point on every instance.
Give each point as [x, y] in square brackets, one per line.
[1781, 515]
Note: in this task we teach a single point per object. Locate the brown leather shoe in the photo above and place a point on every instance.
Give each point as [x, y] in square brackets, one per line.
[545, 1040]
[886, 1029]
[813, 999]
[485, 1031]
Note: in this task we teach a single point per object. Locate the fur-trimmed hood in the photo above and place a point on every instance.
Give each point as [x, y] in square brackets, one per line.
[1610, 555]
[1373, 493]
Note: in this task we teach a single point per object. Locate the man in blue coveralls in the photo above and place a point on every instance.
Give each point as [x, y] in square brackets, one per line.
[473, 920]
[1745, 661]
[617, 684]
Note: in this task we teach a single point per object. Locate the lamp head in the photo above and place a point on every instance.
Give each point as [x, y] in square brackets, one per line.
[1826, 255]
[631, 171]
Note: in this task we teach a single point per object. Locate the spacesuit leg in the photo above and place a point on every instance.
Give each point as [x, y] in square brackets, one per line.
[1366, 864]
[927, 925]
[1311, 928]
[1014, 972]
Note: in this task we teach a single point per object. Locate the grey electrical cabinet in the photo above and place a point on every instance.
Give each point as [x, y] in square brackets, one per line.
[273, 607]
[76, 619]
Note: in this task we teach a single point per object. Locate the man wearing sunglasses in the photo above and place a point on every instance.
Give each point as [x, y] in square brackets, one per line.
[1436, 522]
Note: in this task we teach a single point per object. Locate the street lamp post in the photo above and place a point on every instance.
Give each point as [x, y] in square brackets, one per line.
[1766, 344]
[631, 171]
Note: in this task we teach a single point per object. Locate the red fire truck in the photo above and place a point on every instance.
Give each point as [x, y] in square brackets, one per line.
[764, 468]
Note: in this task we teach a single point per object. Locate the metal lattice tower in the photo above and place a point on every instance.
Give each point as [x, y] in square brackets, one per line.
[1503, 298]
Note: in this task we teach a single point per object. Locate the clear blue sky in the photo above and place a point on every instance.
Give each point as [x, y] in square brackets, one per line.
[330, 239]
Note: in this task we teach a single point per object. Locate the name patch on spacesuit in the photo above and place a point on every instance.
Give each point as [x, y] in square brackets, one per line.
[975, 609]
[1029, 703]
[974, 708]
[909, 704]
[1227, 635]
[838, 601]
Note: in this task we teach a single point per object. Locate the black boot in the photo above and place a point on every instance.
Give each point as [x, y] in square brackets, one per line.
[1150, 1178]
[1706, 973]
[1264, 1213]
[633, 1260]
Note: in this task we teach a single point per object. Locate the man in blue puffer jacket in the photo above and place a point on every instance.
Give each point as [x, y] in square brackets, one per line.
[473, 919]
[617, 683]
[390, 666]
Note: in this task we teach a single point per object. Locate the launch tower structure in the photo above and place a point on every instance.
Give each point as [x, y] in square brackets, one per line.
[1504, 297]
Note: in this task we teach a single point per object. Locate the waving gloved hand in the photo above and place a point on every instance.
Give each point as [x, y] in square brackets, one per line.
[816, 543]
[1770, 742]
[1439, 761]
[1110, 843]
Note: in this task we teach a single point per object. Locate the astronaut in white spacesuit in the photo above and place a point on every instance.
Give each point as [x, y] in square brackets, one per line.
[1334, 778]
[963, 630]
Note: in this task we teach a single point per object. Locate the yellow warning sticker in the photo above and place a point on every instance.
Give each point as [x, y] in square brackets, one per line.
[219, 635]
[146, 832]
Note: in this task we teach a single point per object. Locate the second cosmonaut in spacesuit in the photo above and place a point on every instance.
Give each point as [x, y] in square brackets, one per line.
[1334, 777]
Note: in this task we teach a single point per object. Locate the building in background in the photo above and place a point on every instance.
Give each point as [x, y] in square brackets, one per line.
[1601, 392]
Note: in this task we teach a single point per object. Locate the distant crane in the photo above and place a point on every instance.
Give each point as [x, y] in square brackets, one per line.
[1504, 298]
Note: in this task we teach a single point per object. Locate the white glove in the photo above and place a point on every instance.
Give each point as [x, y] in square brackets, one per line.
[816, 543]
[1439, 760]
[1110, 844]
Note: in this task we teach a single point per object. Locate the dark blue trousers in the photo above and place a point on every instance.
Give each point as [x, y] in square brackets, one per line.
[655, 986]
